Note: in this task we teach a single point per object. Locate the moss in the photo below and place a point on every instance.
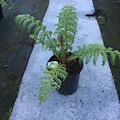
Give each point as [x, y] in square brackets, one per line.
[101, 20]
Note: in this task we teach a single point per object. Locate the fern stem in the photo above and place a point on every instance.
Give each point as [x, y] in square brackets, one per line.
[63, 57]
[65, 24]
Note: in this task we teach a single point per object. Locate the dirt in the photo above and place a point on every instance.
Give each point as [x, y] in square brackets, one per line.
[15, 50]
[110, 12]
[72, 66]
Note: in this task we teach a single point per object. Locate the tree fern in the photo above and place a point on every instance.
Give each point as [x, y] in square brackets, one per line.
[60, 42]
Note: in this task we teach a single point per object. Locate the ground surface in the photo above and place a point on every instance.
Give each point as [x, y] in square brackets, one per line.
[15, 49]
[96, 97]
[111, 31]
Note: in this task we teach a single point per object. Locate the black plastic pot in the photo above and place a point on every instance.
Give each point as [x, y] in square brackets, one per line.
[1, 13]
[70, 84]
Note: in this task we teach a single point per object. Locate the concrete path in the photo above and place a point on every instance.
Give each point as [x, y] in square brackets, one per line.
[96, 97]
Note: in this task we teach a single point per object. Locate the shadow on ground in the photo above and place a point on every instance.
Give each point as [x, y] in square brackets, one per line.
[110, 9]
[15, 49]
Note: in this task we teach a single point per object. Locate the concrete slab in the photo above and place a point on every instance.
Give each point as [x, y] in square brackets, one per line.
[96, 97]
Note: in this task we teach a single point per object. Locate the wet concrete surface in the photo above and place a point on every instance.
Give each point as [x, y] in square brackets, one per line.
[15, 49]
[110, 9]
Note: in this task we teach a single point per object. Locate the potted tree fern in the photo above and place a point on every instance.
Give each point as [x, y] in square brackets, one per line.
[63, 68]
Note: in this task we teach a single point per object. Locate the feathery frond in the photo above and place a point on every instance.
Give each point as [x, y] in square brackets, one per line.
[52, 79]
[3, 3]
[30, 24]
[33, 27]
[93, 51]
[67, 26]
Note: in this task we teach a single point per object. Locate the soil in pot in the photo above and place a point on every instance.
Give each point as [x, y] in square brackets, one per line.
[70, 84]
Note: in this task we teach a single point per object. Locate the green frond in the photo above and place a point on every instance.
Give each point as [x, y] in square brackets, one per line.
[33, 27]
[52, 79]
[3, 3]
[93, 51]
[28, 23]
[67, 26]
